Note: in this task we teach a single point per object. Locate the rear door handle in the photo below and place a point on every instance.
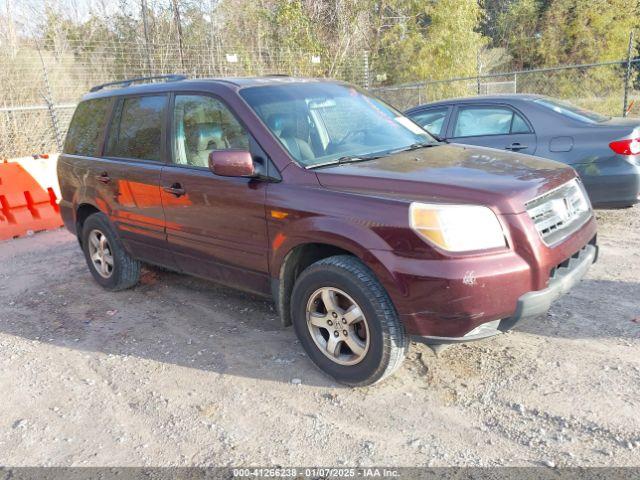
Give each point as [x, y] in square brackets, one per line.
[516, 146]
[103, 177]
[175, 189]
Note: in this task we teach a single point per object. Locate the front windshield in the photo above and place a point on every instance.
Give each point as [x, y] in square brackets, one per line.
[571, 111]
[322, 123]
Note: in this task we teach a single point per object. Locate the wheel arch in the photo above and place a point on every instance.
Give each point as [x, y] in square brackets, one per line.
[83, 211]
[304, 254]
[296, 260]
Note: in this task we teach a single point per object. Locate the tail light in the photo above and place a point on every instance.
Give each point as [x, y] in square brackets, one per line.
[626, 147]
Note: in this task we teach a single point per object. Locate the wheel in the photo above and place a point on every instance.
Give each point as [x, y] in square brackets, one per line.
[111, 266]
[346, 321]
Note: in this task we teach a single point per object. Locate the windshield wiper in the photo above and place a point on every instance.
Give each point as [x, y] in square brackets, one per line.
[346, 159]
[364, 158]
[356, 158]
[418, 146]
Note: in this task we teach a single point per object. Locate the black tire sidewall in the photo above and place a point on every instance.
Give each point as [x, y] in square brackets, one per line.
[329, 276]
[99, 221]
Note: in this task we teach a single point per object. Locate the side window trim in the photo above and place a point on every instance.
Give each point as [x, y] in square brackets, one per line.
[116, 109]
[514, 110]
[118, 101]
[447, 121]
[105, 133]
[171, 137]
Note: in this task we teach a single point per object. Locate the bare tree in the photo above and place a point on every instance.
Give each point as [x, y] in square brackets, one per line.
[176, 13]
[144, 12]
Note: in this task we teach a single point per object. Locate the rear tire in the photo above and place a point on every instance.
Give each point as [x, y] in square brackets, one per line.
[109, 263]
[346, 321]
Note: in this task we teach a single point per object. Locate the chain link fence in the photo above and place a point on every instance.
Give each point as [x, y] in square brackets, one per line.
[34, 129]
[610, 88]
[40, 84]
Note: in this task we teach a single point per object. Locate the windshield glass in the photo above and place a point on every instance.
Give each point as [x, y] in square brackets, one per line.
[571, 111]
[321, 123]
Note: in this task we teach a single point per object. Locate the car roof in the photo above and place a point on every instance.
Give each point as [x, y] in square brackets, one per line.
[483, 98]
[180, 84]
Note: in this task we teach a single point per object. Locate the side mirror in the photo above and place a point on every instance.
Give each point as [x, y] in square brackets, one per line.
[232, 163]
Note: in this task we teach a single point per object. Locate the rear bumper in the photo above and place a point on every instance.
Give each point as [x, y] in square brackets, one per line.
[531, 304]
[612, 183]
[68, 215]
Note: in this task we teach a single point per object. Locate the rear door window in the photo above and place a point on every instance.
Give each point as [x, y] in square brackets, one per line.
[86, 128]
[202, 124]
[136, 128]
[481, 121]
[431, 120]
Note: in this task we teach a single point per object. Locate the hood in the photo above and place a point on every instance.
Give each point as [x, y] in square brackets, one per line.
[451, 173]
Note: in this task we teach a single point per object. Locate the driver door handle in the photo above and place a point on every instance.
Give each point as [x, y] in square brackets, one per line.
[175, 189]
[516, 146]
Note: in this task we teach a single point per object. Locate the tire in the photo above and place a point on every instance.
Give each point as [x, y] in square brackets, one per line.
[124, 271]
[378, 336]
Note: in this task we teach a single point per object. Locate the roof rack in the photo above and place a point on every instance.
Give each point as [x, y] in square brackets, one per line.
[128, 82]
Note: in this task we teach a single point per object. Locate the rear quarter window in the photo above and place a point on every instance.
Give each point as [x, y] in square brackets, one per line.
[87, 125]
[431, 120]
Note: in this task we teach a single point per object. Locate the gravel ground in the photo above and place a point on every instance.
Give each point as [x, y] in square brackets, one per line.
[179, 371]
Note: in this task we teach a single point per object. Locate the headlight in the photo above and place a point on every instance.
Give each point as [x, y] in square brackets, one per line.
[457, 228]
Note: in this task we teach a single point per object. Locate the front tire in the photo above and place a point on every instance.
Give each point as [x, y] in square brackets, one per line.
[346, 321]
[109, 263]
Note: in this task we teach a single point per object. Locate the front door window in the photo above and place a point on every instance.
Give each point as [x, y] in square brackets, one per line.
[203, 124]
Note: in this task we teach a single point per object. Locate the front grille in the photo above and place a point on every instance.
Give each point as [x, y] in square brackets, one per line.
[560, 212]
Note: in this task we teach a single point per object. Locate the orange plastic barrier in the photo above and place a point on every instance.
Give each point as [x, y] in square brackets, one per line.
[25, 205]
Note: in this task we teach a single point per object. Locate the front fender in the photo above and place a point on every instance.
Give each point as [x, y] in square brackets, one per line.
[355, 238]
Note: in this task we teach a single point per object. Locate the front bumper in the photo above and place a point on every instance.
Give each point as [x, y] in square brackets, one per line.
[531, 304]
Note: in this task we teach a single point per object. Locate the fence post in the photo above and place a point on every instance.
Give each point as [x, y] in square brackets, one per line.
[48, 98]
[367, 81]
[11, 139]
[627, 78]
[479, 69]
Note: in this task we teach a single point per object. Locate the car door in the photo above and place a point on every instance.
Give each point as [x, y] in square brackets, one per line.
[216, 226]
[434, 120]
[128, 175]
[492, 125]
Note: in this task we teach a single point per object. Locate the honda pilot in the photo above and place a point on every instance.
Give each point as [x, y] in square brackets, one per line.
[366, 231]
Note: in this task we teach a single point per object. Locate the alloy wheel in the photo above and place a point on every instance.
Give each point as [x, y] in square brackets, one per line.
[100, 253]
[338, 326]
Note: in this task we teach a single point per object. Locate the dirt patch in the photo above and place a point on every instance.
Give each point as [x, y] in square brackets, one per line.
[180, 371]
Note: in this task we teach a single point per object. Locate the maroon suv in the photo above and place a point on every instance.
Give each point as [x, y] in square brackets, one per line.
[365, 230]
